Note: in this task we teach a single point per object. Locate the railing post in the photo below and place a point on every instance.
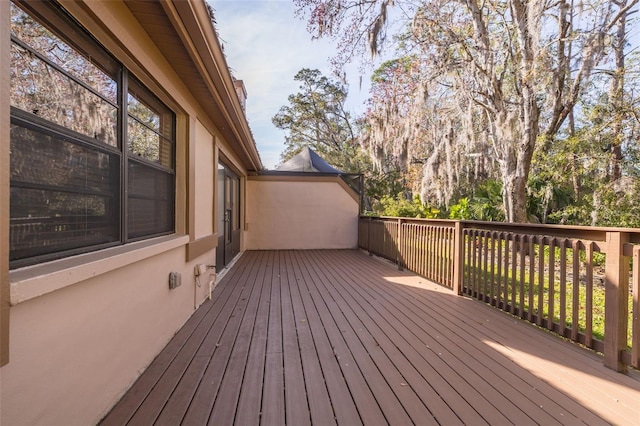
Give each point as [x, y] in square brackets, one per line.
[458, 257]
[369, 237]
[616, 300]
[399, 252]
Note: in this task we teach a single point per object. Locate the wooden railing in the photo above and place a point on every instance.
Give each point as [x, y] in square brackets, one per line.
[582, 283]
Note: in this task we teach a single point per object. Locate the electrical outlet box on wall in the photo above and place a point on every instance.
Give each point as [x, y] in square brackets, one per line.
[200, 269]
[175, 280]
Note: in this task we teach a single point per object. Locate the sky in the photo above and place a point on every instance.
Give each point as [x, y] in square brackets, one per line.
[266, 45]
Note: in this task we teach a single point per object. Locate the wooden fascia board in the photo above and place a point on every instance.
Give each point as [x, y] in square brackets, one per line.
[193, 25]
[4, 183]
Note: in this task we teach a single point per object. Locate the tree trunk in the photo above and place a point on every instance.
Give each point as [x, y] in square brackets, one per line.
[616, 96]
[514, 194]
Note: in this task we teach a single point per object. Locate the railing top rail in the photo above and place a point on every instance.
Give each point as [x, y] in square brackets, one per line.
[563, 231]
[448, 222]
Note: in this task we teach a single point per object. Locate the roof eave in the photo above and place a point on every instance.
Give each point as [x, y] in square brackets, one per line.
[193, 25]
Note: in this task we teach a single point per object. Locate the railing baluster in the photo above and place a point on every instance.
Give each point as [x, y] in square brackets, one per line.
[498, 284]
[408, 246]
[521, 287]
[438, 255]
[418, 253]
[418, 248]
[452, 254]
[588, 342]
[540, 316]
[400, 252]
[485, 265]
[478, 245]
[505, 296]
[532, 279]
[458, 254]
[493, 268]
[430, 240]
[472, 263]
[514, 272]
[575, 305]
[563, 288]
[635, 331]
[551, 299]
[422, 249]
[441, 264]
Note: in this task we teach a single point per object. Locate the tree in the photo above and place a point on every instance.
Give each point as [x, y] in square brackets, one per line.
[392, 110]
[316, 118]
[518, 67]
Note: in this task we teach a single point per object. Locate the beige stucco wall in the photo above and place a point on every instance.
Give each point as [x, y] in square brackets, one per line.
[293, 214]
[74, 351]
[82, 329]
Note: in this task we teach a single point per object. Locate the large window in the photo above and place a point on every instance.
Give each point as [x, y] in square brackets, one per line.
[92, 149]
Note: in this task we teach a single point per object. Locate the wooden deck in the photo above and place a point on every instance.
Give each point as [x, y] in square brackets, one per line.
[338, 337]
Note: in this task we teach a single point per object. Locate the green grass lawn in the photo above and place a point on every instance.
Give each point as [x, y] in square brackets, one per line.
[517, 284]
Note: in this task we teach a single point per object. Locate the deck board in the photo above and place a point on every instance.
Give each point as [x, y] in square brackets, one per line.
[481, 369]
[365, 403]
[338, 337]
[297, 399]
[354, 336]
[273, 391]
[227, 398]
[345, 409]
[418, 333]
[200, 406]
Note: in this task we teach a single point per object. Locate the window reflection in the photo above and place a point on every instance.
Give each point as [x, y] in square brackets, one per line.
[53, 81]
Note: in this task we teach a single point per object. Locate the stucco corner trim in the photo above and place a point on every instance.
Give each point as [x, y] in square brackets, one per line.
[34, 281]
[201, 246]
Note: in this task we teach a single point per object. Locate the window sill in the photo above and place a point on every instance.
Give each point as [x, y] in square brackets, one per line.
[34, 281]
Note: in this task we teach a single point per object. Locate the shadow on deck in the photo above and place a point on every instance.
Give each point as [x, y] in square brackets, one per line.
[325, 337]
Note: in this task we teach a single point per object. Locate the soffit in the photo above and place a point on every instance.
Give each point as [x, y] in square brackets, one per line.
[208, 90]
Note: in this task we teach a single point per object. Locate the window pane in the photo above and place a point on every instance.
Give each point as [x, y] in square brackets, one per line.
[38, 88]
[65, 222]
[42, 159]
[147, 144]
[143, 113]
[150, 203]
[63, 195]
[220, 208]
[148, 109]
[151, 124]
[66, 104]
[143, 142]
[236, 204]
[59, 52]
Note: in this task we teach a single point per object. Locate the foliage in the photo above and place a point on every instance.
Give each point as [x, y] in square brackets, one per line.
[485, 204]
[460, 210]
[393, 101]
[379, 184]
[496, 90]
[401, 206]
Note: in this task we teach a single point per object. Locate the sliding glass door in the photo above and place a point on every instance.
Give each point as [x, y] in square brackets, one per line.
[228, 216]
